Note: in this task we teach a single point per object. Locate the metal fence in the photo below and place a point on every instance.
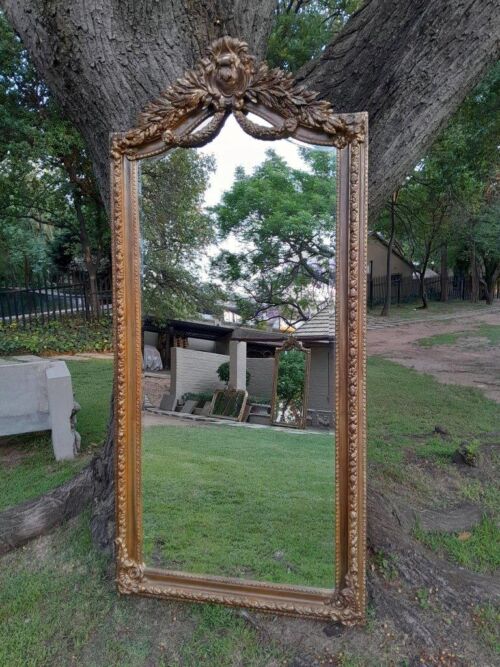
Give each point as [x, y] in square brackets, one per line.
[405, 290]
[50, 297]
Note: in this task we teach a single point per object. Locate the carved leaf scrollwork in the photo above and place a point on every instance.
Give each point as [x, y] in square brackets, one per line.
[230, 79]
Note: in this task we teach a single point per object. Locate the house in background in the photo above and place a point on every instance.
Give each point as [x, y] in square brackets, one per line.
[377, 259]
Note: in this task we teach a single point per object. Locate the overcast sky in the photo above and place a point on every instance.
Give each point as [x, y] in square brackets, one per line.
[233, 148]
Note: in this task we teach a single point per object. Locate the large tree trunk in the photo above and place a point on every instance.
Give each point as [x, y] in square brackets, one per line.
[408, 62]
[492, 277]
[104, 60]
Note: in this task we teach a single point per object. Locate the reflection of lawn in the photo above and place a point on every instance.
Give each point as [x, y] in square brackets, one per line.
[253, 503]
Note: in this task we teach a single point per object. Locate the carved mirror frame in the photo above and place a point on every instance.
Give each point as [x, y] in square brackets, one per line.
[230, 80]
[291, 344]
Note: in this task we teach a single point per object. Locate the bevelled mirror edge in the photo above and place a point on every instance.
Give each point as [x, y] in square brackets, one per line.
[345, 603]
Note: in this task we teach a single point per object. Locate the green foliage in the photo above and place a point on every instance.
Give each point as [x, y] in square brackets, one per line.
[291, 376]
[451, 198]
[175, 232]
[200, 396]
[283, 218]
[223, 373]
[65, 335]
[478, 551]
[49, 202]
[302, 29]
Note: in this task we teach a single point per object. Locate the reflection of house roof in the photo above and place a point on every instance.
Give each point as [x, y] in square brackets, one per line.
[193, 328]
[320, 326]
[211, 331]
[396, 250]
[249, 333]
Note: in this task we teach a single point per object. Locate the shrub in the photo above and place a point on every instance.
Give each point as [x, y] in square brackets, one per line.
[223, 373]
[202, 397]
[61, 336]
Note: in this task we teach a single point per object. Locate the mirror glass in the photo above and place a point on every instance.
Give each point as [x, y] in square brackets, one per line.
[238, 262]
[291, 386]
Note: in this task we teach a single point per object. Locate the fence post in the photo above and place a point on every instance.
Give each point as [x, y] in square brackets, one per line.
[370, 291]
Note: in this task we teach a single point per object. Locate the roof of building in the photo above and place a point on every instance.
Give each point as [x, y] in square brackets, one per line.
[320, 327]
[397, 250]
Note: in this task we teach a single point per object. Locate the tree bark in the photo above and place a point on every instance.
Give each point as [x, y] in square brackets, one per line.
[104, 60]
[474, 292]
[491, 284]
[444, 272]
[388, 285]
[23, 522]
[410, 65]
[422, 290]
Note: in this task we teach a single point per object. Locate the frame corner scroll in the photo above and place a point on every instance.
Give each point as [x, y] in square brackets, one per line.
[229, 80]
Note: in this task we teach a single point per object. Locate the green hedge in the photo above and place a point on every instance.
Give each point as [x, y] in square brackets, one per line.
[65, 335]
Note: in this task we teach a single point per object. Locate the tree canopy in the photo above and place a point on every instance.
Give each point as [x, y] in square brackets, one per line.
[175, 230]
[51, 211]
[283, 219]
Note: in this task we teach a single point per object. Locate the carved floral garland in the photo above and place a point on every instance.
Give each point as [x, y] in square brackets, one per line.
[228, 79]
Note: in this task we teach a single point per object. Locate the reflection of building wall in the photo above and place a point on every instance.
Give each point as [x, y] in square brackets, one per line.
[322, 378]
[151, 338]
[194, 371]
[261, 377]
[202, 345]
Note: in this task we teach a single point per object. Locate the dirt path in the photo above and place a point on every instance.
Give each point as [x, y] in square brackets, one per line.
[471, 361]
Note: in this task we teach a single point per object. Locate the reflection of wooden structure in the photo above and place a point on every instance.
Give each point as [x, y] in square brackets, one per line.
[229, 404]
[301, 417]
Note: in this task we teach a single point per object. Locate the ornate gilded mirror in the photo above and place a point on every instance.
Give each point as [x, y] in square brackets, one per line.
[290, 385]
[239, 241]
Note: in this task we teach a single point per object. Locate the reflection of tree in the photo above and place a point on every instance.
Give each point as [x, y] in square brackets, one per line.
[283, 220]
[175, 231]
[290, 385]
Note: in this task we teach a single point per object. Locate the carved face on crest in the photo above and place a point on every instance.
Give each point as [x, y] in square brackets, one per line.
[229, 68]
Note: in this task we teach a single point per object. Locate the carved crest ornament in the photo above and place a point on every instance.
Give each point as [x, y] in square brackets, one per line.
[229, 80]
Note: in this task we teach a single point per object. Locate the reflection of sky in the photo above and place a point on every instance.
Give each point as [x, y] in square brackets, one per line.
[234, 148]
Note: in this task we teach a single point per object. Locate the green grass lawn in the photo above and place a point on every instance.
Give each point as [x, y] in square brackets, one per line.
[240, 502]
[477, 550]
[491, 332]
[404, 407]
[59, 608]
[58, 603]
[27, 464]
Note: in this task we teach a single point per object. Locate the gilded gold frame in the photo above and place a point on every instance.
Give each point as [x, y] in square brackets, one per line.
[230, 80]
[291, 344]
